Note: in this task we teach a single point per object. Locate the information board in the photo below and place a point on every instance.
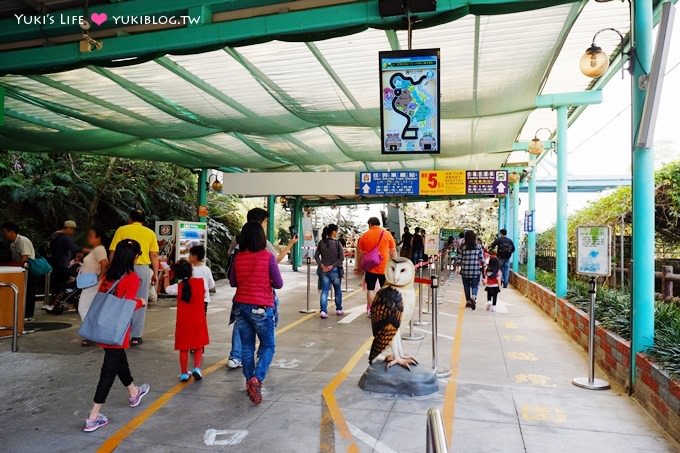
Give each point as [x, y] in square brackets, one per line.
[486, 182]
[442, 182]
[389, 183]
[446, 233]
[431, 244]
[434, 182]
[593, 251]
[409, 99]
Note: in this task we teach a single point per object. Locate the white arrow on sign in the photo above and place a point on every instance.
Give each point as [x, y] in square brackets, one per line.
[366, 189]
[352, 314]
[500, 188]
[235, 436]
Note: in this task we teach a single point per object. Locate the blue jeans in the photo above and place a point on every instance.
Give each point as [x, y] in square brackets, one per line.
[253, 321]
[417, 256]
[505, 270]
[236, 345]
[470, 286]
[328, 279]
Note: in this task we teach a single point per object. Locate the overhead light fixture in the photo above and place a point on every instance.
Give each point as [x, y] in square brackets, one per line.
[514, 177]
[536, 146]
[595, 62]
[216, 185]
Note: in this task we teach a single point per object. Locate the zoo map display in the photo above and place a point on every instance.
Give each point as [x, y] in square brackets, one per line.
[410, 107]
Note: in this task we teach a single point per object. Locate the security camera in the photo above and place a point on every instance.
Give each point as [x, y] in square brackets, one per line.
[85, 24]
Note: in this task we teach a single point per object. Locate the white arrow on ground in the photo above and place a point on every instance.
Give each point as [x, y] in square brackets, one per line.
[352, 314]
[366, 189]
[500, 188]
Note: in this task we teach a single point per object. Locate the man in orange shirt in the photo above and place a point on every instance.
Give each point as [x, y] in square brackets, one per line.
[375, 237]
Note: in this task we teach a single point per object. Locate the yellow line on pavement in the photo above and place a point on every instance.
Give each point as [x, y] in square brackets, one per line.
[328, 394]
[119, 436]
[452, 386]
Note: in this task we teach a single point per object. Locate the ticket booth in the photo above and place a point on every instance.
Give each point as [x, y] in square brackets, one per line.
[17, 276]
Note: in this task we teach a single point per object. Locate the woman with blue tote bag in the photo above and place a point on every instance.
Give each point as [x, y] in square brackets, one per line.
[120, 279]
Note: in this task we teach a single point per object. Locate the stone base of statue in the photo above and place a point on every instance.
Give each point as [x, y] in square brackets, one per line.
[420, 381]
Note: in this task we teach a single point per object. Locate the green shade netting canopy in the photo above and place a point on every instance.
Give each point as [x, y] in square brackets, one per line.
[309, 106]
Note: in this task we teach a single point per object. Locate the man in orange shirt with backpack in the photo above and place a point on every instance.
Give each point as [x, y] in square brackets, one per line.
[374, 250]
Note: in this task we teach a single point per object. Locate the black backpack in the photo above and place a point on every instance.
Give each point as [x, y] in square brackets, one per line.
[505, 249]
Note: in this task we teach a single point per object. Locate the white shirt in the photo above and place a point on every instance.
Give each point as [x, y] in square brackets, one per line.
[91, 263]
[201, 271]
[22, 246]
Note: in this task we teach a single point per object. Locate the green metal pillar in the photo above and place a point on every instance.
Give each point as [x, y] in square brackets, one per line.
[271, 222]
[643, 188]
[297, 222]
[562, 257]
[531, 235]
[202, 193]
[501, 204]
[2, 106]
[515, 225]
[506, 211]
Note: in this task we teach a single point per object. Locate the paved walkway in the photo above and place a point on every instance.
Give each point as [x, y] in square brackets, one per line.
[510, 391]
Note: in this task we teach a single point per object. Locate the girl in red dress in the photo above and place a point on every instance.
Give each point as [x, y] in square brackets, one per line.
[191, 329]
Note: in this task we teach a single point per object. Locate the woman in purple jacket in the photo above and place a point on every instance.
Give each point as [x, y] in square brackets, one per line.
[255, 274]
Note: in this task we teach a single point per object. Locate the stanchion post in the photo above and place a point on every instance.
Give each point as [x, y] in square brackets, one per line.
[309, 285]
[440, 372]
[430, 262]
[15, 314]
[590, 382]
[420, 321]
[346, 272]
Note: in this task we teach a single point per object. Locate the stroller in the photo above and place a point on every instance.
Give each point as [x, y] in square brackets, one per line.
[69, 295]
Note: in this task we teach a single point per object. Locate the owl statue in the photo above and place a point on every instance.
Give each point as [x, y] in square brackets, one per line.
[392, 311]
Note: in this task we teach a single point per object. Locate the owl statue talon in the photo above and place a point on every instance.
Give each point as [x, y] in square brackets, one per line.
[405, 362]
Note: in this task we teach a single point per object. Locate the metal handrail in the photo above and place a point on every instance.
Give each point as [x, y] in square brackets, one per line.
[436, 437]
[14, 289]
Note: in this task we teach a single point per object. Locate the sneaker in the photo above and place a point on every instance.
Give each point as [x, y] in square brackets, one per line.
[254, 389]
[324, 315]
[234, 363]
[94, 425]
[468, 304]
[196, 373]
[142, 390]
[473, 304]
[493, 308]
[488, 306]
[340, 313]
[28, 319]
[184, 377]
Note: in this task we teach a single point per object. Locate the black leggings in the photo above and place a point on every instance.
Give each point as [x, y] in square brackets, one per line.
[115, 364]
[492, 294]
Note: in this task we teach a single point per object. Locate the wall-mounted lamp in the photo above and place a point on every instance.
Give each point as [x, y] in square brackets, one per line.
[595, 61]
[495, 203]
[514, 177]
[216, 185]
[536, 146]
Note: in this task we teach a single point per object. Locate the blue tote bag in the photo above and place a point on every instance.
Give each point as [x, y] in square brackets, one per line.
[108, 318]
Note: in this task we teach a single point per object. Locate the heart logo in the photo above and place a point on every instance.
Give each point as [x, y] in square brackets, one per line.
[99, 18]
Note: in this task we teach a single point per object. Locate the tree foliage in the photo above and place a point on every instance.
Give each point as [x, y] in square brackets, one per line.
[609, 209]
[40, 191]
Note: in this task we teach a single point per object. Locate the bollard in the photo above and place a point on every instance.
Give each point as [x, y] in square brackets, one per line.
[591, 383]
[420, 321]
[309, 286]
[15, 325]
[441, 372]
[666, 283]
[48, 279]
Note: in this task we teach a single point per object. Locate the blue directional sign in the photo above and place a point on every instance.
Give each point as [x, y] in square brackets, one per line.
[388, 183]
[529, 221]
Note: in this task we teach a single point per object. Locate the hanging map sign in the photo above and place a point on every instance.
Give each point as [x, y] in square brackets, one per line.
[409, 98]
[434, 182]
[593, 251]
